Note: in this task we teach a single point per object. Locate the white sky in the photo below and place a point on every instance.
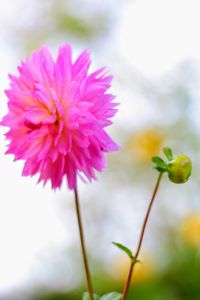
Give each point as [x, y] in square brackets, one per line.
[156, 35]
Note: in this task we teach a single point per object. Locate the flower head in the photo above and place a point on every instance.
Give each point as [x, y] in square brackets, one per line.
[143, 271]
[145, 144]
[57, 112]
[190, 229]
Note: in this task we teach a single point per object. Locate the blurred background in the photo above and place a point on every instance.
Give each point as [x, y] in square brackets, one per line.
[153, 50]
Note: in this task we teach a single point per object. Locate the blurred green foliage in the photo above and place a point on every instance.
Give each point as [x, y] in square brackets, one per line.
[58, 20]
[177, 279]
[183, 272]
[81, 25]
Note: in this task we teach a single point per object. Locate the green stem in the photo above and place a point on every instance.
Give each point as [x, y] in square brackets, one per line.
[83, 248]
[134, 261]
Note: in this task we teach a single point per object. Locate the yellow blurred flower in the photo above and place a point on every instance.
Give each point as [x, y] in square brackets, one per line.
[142, 271]
[145, 144]
[190, 229]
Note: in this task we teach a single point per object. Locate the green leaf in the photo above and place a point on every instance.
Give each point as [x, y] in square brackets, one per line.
[137, 261]
[161, 165]
[168, 153]
[86, 296]
[158, 160]
[112, 296]
[124, 248]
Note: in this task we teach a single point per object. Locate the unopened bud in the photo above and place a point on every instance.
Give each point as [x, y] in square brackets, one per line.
[179, 169]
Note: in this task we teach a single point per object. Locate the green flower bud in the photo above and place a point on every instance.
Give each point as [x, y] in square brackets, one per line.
[179, 169]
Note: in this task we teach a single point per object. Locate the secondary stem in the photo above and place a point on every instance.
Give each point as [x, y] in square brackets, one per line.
[83, 248]
[134, 261]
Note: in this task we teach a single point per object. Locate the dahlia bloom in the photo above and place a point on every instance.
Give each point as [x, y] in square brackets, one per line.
[57, 112]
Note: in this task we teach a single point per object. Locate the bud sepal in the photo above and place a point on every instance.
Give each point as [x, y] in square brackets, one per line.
[178, 167]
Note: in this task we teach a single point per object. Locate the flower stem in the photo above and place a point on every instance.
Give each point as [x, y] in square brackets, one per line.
[83, 248]
[134, 261]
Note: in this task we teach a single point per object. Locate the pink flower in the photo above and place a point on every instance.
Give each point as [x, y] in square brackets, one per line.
[57, 115]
